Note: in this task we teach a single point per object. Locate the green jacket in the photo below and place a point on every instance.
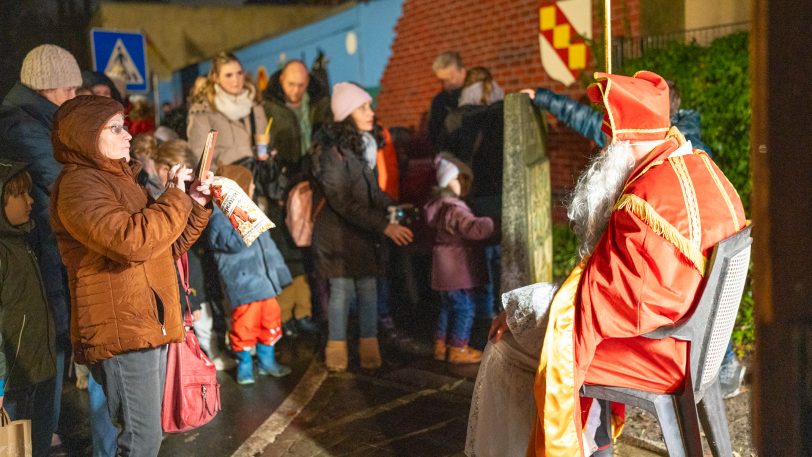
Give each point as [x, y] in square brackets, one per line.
[27, 338]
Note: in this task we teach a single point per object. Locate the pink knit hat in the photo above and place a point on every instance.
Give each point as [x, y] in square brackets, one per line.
[347, 97]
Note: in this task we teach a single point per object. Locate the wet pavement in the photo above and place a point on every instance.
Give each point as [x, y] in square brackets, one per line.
[413, 406]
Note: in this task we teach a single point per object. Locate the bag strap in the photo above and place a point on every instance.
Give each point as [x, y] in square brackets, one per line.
[4, 418]
[253, 121]
[183, 269]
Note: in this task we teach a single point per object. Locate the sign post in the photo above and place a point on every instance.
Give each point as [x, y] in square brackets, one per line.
[123, 53]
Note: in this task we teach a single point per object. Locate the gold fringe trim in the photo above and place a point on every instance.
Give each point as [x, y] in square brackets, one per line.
[646, 213]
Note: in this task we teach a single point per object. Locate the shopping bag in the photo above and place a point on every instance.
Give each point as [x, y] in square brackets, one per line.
[191, 393]
[15, 436]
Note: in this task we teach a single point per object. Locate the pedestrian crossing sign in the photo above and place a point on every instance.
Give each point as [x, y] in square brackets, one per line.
[123, 53]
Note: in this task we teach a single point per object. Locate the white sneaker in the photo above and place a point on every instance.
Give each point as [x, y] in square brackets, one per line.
[223, 363]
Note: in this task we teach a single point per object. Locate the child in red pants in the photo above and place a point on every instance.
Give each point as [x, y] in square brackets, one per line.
[253, 276]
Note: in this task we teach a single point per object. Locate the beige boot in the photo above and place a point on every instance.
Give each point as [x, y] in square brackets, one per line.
[440, 350]
[370, 353]
[465, 354]
[335, 355]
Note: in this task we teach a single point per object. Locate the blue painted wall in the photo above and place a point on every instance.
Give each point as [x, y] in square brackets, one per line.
[372, 22]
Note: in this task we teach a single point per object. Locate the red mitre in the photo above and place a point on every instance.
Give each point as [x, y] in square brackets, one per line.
[636, 108]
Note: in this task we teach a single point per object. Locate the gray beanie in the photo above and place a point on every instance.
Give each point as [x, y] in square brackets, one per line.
[50, 67]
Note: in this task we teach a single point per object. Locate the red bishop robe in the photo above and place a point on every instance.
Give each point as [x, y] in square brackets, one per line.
[645, 272]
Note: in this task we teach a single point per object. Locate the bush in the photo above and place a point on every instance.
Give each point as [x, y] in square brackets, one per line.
[715, 81]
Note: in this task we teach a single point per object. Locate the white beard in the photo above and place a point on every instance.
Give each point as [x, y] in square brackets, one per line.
[596, 193]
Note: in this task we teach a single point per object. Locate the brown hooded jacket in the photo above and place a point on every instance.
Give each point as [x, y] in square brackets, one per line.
[117, 245]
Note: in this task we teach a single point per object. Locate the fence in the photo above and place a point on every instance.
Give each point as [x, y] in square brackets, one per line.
[631, 48]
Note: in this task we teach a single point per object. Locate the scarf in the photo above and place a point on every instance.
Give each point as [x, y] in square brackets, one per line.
[234, 107]
[370, 149]
[302, 113]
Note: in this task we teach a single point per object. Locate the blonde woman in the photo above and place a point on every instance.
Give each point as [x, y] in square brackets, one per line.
[229, 103]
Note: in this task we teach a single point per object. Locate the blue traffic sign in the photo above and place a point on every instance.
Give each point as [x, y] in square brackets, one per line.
[122, 53]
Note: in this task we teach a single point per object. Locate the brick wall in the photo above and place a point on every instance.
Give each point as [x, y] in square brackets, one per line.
[501, 35]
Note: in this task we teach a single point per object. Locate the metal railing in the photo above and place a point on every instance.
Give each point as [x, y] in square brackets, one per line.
[624, 49]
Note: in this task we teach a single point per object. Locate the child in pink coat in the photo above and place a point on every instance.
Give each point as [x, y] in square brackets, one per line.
[458, 261]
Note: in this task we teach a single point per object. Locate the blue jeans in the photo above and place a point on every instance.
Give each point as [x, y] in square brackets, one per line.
[134, 385]
[457, 308]
[102, 430]
[35, 402]
[344, 291]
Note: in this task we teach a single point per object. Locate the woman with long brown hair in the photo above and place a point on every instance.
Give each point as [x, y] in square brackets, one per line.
[229, 103]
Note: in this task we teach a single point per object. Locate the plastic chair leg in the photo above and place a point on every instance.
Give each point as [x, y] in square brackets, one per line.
[689, 423]
[669, 421]
[714, 421]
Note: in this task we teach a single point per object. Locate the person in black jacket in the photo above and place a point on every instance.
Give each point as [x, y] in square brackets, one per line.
[450, 71]
[347, 234]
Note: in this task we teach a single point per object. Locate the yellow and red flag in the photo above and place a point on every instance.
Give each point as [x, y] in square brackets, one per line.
[563, 25]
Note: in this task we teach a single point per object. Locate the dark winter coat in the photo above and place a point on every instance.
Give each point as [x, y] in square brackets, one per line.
[475, 134]
[286, 136]
[27, 338]
[119, 247]
[348, 232]
[441, 105]
[249, 273]
[458, 260]
[586, 121]
[26, 120]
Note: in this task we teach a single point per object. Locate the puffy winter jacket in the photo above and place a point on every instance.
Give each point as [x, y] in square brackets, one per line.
[26, 119]
[347, 234]
[458, 260]
[118, 246]
[27, 338]
[249, 273]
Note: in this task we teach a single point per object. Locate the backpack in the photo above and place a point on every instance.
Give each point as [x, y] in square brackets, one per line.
[300, 213]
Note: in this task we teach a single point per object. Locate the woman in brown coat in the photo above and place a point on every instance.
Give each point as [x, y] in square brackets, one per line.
[119, 248]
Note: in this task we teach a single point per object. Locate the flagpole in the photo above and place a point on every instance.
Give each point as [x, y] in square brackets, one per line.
[607, 33]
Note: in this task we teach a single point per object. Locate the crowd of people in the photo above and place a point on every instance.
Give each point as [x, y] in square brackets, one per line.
[100, 202]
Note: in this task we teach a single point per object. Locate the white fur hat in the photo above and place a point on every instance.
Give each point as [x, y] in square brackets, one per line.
[446, 172]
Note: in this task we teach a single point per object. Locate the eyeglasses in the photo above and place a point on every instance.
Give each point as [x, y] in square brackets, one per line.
[117, 129]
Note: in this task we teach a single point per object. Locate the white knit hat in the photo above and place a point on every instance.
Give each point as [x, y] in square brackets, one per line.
[50, 67]
[446, 172]
[347, 97]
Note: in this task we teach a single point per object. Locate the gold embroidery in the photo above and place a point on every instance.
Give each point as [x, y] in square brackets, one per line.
[691, 203]
[722, 191]
[646, 213]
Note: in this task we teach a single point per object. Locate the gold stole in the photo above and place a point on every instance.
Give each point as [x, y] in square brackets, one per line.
[554, 389]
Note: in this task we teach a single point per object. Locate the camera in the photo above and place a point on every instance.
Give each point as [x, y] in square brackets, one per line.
[405, 215]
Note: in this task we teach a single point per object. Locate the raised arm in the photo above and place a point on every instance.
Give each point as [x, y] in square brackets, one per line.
[579, 117]
[98, 220]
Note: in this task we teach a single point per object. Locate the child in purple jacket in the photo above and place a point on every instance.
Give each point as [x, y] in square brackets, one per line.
[458, 264]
